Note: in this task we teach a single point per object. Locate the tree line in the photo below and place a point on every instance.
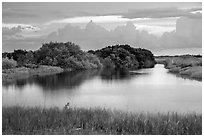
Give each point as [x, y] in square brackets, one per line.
[69, 55]
[125, 57]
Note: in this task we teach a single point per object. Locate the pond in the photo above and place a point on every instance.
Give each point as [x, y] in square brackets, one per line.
[146, 90]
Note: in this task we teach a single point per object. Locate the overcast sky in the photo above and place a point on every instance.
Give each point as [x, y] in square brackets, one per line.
[156, 26]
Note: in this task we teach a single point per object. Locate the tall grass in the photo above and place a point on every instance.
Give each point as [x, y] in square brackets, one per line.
[184, 66]
[9, 75]
[18, 120]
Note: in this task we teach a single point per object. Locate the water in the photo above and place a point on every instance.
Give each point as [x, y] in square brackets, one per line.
[146, 90]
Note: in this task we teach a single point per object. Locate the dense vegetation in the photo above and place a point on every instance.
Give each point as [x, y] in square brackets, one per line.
[8, 63]
[69, 55]
[64, 55]
[18, 120]
[125, 57]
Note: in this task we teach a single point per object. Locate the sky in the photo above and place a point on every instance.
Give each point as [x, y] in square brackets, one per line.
[160, 27]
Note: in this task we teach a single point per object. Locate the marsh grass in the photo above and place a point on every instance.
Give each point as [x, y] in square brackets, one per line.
[184, 66]
[18, 120]
[10, 75]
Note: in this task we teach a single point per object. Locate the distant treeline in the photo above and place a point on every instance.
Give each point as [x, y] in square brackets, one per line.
[186, 55]
[69, 55]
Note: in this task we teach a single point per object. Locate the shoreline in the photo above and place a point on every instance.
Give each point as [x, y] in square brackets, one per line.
[79, 121]
[10, 75]
[185, 67]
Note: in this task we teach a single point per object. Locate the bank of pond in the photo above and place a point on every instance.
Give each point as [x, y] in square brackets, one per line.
[186, 66]
[57, 57]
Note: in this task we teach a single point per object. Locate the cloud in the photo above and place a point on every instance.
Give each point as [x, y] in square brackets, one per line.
[188, 34]
[160, 13]
[195, 15]
[156, 30]
[194, 9]
[22, 27]
[18, 13]
[11, 31]
[14, 36]
[24, 43]
[86, 19]
[94, 36]
[17, 31]
[42, 12]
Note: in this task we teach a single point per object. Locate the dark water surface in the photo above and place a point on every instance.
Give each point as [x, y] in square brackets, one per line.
[145, 90]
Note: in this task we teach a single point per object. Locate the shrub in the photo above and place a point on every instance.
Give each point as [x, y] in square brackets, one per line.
[66, 55]
[125, 57]
[107, 63]
[8, 63]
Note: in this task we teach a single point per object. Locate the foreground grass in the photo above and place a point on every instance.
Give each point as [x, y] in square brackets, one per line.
[17, 120]
[184, 66]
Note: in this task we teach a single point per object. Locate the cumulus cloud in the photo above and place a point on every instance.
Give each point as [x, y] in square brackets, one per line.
[157, 30]
[21, 43]
[22, 27]
[161, 13]
[94, 36]
[188, 34]
[11, 31]
[13, 37]
[17, 31]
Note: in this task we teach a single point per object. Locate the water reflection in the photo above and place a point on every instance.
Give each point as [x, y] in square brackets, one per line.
[116, 75]
[66, 80]
[147, 90]
[73, 79]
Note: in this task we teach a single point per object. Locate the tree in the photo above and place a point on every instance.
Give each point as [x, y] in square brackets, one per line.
[30, 58]
[125, 57]
[8, 63]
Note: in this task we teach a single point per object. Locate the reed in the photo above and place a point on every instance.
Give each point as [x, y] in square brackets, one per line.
[19, 120]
